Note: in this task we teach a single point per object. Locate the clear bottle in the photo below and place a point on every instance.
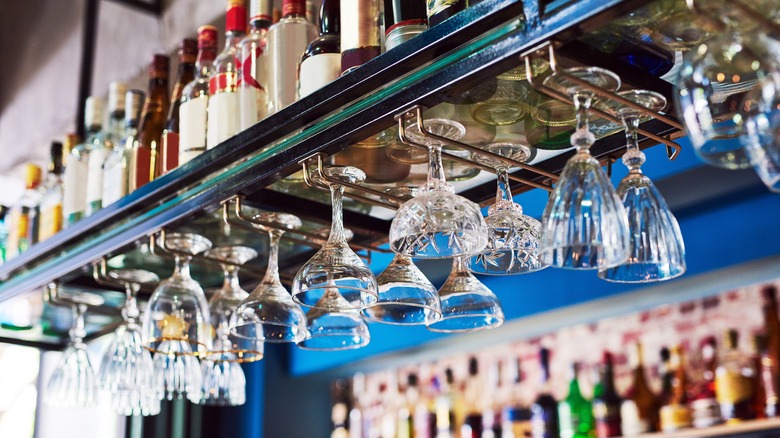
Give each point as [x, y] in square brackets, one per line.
[253, 89]
[607, 402]
[446, 422]
[116, 169]
[734, 381]
[321, 61]
[146, 149]
[51, 200]
[575, 412]
[74, 205]
[223, 106]
[22, 214]
[639, 411]
[193, 111]
[544, 411]
[704, 406]
[360, 34]
[188, 50]
[287, 39]
[406, 411]
[102, 146]
[675, 414]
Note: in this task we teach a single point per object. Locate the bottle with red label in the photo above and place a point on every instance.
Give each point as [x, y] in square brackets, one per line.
[188, 50]
[321, 62]
[253, 86]
[146, 150]
[195, 98]
[223, 105]
[360, 35]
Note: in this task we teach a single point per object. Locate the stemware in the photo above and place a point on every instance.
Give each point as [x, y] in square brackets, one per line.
[656, 251]
[761, 138]
[269, 313]
[335, 265]
[506, 106]
[177, 323]
[584, 225]
[513, 237]
[437, 223]
[333, 329]
[127, 369]
[466, 303]
[406, 296]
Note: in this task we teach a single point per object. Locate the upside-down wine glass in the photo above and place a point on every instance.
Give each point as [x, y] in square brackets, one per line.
[584, 225]
[335, 266]
[224, 383]
[269, 313]
[127, 369]
[513, 237]
[466, 303]
[656, 251]
[437, 223]
[334, 329]
[761, 138]
[177, 323]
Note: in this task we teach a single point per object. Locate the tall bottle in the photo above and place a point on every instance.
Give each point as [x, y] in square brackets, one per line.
[440, 10]
[22, 215]
[253, 87]
[340, 409]
[771, 323]
[223, 105]
[188, 50]
[493, 398]
[516, 417]
[321, 61]
[51, 200]
[705, 409]
[639, 411]
[77, 164]
[575, 412]
[407, 408]
[472, 423]
[287, 39]
[675, 413]
[146, 150]
[544, 411]
[768, 370]
[758, 344]
[102, 146]
[116, 169]
[193, 111]
[606, 402]
[446, 404]
[404, 20]
[734, 379]
[360, 35]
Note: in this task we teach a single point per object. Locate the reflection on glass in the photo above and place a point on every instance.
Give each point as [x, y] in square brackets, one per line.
[335, 329]
[73, 382]
[761, 138]
[506, 106]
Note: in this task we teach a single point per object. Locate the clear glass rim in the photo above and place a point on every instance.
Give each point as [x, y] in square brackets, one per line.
[195, 352]
[364, 340]
[434, 326]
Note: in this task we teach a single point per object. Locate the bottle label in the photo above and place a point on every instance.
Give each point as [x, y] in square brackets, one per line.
[223, 83]
[223, 118]
[254, 105]
[141, 165]
[192, 128]
[51, 221]
[632, 423]
[733, 387]
[253, 96]
[115, 174]
[170, 150]
[359, 24]
[97, 157]
[74, 187]
[706, 412]
[318, 71]
[675, 417]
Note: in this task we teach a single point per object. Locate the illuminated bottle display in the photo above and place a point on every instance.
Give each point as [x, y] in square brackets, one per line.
[50, 210]
[253, 87]
[188, 49]
[146, 150]
[102, 146]
[116, 169]
[321, 62]
[77, 164]
[639, 412]
[360, 36]
[734, 382]
[544, 411]
[195, 97]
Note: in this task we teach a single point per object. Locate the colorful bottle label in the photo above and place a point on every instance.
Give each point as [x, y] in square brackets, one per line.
[253, 96]
[51, 221]
[74, 188]
[675, 417]
[97, 157]
[223, 83]
[223, 118]
[318, 71]
[632, 423]
[706, 412]
[170, 150]
[142, 164]
[115, 176]
[192, 128]
[734, 392]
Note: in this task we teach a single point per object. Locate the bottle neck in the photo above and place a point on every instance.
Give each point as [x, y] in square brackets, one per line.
[205, 60]
[260, 24]
[232, 39]
[93, 130]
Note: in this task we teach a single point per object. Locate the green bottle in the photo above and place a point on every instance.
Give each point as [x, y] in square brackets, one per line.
[575, 412]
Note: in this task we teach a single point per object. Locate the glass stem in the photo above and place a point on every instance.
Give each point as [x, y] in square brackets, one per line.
[582, 138]
[631, 123]
[77, 332]
[633, 158]
[130, 312]
[231, 278]
[337, 223]
[272, 271]
[503, 191]
[436, 180]
[182, 268]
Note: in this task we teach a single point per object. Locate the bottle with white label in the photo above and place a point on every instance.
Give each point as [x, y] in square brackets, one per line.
[253, 89]
[195, 98]
[103, 145]
[287, 39]
[223, 120]
[321, 62]
[116, 173]
[77, 165]
[360, 33]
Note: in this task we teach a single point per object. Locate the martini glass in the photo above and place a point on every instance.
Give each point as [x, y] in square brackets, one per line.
[269, 313]
[334, 330]
[656, 251]
[584, 225]
[127, 369]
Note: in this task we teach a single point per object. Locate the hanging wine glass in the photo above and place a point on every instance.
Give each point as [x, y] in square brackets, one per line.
[466, 303]
[761, 138]
[335, 265]
[334, 330]
[656, 251]
[127, 368]
[269, 313]
[177, 323]
[406, 296]
[437, 223]
[584, 225]
[513, 237]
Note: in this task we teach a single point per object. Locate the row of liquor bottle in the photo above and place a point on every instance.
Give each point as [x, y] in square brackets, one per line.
[728, 385]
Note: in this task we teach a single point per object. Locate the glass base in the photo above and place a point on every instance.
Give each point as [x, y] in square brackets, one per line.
[585, 257]
[642, 272]
[466, 323]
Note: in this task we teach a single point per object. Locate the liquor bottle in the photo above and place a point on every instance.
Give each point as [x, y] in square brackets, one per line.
[575, 412]
[102, 145]
[339, 409]
[492, 424]
[188, 50]
[472, 421]
[356, 424]
[223, 105]
[667, 376]
[195, 96]
[704, 406]
[440, 10]
[4, 220]
[404, 20]
[675, 413]
[321, 61]
[606, 402]
[446, 422]
[411, 397]
[758, 344]
[253, 88]
[20, 214]
[390, 396]
[544, 411]
[287, 39]
[116, 169]
[425, 413]
[639, 411]
[146, 150]
[312, 14]
[516, 417]
[74, 205]
[360, 37]
[51, 200]
[771, 323]
[734, 382]
[768, 370]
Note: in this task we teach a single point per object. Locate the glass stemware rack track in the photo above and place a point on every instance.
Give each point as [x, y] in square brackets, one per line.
[491, 38]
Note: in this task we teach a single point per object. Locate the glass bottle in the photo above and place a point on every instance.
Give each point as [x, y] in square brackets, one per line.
[425, 412]
[146, 149]
[575, 412]
[544, 411]
[360, 37]
[440, 10]
[704, 406]
[102, 146]
[675, 413]
[51, 200]
[169, 160]
[606, 402]
[768, 371]
[253, 89]
[22, 215]
[411, 396]
[287, 39]
[758, 343]
[404, 20]
[74, 205]
[771, 324]
[446, 424]
[472, 423]
[734, 379]
[116, 176]
[223, 112]
[340, 409]
[492, 402]
[516, 417]
[193, 110]
[639, 411]
[321, 61]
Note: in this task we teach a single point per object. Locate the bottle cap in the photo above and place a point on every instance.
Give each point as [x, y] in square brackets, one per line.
[261, 10]
[473, 366]
[449, 375]
[207, 36]
[116, 96]
[56, 163]
[235, 18]
[71, 140]
[293, 7]
[93, 112]
[330, 23]
[159, 66]
[188, 50]
[32, 175]
[134, 101]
